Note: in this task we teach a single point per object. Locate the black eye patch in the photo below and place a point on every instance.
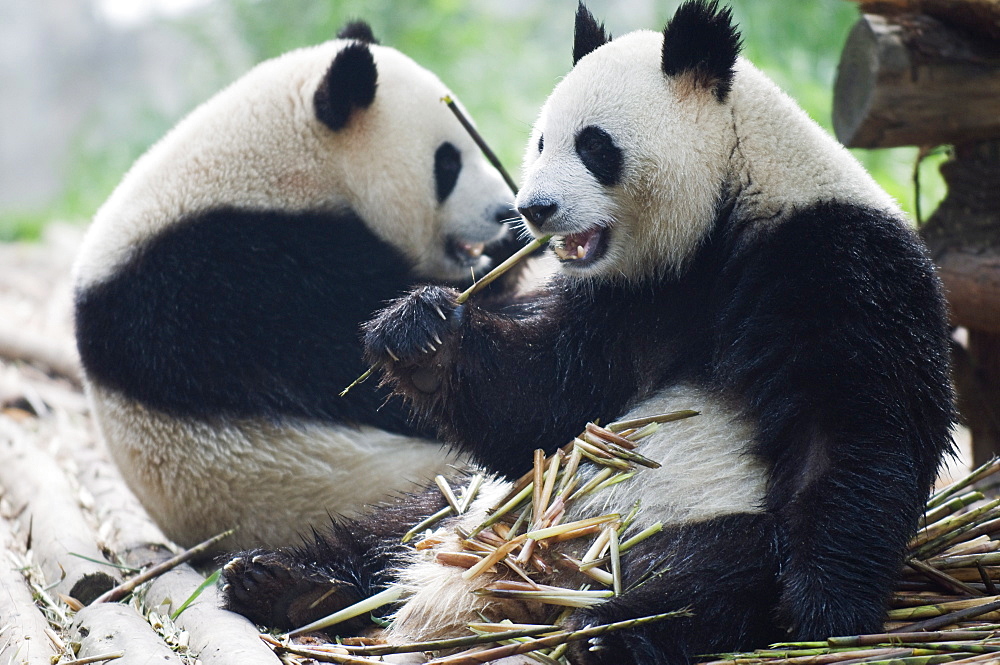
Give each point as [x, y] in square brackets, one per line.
[447, 166]
[598, 152]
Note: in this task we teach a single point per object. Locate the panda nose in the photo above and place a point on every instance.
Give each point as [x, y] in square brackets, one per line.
[538, 214]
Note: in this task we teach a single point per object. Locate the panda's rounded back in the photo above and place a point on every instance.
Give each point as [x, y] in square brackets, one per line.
[220, 288]
[259, 145]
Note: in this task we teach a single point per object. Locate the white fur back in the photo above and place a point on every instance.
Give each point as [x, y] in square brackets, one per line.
[257, 144]
[271, 481]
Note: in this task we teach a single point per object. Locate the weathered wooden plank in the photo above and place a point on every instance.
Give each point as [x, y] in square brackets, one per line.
[63, 543]
[911, 80]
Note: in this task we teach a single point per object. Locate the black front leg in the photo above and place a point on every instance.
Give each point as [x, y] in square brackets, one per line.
[724, 570]
[501, 383]
[352, 560]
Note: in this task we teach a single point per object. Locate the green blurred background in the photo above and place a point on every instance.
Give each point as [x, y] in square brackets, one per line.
[88, 85]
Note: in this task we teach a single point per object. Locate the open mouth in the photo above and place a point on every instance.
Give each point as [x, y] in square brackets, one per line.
[581, 248]
[466, 253]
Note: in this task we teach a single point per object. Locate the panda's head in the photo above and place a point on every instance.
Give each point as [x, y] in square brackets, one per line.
[407, 165]
[348, 125]
[629, 153]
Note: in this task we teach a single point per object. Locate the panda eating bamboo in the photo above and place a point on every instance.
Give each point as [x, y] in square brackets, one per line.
[718, 251]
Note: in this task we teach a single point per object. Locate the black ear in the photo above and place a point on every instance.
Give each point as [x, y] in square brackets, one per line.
[588, 35]
[358, 30]
[349, 84]
[701, 40]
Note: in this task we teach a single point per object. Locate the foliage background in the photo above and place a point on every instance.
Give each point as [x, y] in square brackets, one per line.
[501, 57]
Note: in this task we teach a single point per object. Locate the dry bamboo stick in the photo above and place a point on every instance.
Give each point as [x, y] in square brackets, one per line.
[19, 345]
[61, 538]
[155, 571]
[107, 628]
[944, 578]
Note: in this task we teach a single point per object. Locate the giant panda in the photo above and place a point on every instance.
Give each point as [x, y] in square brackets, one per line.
[718, 251]
[220, 289]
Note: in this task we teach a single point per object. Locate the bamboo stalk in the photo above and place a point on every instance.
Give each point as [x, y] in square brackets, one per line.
[486, 656]
[476, 287]
[983, 471]
[943, 578]
[387, 597]
[541, 534]
[494, 558]
[477, 137]
[635, 423]
[453, 643]
[899, 638]
[427, 523]
[949, 507]
[949, 618]
[125, 588]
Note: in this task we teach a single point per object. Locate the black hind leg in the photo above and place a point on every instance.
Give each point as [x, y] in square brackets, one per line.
[723, 570]
[354, 559]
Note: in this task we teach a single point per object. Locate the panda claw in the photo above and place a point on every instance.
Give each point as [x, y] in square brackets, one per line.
[441, 314]
[391, 354]
[437, 338]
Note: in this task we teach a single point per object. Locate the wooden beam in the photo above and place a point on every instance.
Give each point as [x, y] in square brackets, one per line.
[911, 80]
[972, 280]
[980, 17]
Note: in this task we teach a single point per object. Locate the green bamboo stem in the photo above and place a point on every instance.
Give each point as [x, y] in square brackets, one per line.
[895, 639]
[478, 657]
[453, 643]
[949, 507]
[948, 618]
[983, 471]
[477, 137]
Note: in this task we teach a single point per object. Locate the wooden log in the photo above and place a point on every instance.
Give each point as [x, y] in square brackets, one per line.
[25, 641]
[963, 236]
[912, 80]
[976, 16]
[110, 627]
[972, 279]
[218, 637]
[17, 344]
[129, 526]
[63, 543]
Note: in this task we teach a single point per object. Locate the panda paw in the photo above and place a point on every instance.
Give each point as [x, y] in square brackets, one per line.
[271, 589]
[623, 647]
[414, 328]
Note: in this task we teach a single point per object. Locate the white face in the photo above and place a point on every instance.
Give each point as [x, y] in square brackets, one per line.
[631, 164]
[259, 145]
[419, 178]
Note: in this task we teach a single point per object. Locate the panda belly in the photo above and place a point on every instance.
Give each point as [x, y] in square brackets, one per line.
[706, 471]
[271, 481]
